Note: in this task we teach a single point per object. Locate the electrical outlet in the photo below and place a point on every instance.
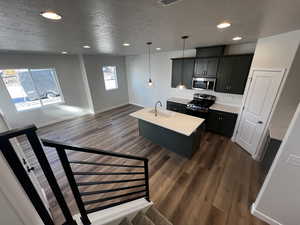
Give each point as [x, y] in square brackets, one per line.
[293, 160]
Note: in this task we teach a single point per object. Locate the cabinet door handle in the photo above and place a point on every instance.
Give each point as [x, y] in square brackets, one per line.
[260, 122]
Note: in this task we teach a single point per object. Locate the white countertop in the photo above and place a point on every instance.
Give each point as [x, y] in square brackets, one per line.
[178, 122]
[216, 106]
[225, 108]
[180, 100]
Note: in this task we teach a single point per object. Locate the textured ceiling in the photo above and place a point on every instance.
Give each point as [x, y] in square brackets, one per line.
[106, 24]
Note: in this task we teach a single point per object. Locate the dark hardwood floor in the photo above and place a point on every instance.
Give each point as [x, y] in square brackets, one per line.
[216, 187]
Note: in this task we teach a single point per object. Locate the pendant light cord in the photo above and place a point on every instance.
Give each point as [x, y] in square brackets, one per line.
[182, 64]
[149, 59]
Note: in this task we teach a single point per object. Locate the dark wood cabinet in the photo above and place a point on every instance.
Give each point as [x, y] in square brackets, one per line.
[206, 67]
[232, 73]
[176, 107]
[210, 51]
[188, 72]
[221, 122]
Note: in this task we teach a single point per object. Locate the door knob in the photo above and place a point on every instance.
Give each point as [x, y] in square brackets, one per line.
[260, 122]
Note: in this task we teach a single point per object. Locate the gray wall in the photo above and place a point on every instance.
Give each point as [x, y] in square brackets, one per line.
[161, 66]
[102, 99]
[279, 51]
[71, 82]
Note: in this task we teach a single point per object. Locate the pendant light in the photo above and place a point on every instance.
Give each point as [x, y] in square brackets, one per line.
[150, 83]
[181, 85]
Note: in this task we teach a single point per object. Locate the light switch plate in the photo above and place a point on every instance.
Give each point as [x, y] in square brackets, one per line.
[293, 160]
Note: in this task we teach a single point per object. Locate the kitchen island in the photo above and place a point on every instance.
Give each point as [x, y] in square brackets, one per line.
[177, 132]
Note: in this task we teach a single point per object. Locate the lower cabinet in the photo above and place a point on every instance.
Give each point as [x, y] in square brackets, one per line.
[176, 107]
[221, 122]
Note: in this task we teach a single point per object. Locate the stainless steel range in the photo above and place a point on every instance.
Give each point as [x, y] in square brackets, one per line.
[200, 104]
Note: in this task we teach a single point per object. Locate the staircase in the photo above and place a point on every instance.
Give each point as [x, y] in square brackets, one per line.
[150, 216]
[132, 207]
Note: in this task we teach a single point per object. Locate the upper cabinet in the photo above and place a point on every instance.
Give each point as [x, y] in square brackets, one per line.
[211, 51]
[233, 73]
[230, 71]
[206, 67]
[188, 72]
[206, 63]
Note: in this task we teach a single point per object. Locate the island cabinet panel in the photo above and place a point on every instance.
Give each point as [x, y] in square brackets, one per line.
[176, 107]
[206, 67]
[221, 122]
[188, 72]
[232, 73]
[173, 141]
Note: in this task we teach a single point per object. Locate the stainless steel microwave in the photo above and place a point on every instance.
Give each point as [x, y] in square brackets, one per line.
[203, 83]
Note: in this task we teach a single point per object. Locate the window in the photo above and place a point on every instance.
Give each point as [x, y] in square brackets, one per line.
[31, 88]
[110, 77]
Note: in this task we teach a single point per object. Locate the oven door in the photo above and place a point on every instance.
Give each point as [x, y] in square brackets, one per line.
[203, 83]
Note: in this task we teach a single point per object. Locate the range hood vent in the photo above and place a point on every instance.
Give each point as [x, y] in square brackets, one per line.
[168, 2]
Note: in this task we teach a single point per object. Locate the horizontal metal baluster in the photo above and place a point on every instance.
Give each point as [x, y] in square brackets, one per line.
[111, 198]
[55, 144]
[107, 173]
[110, 190]
[108, 182]
[104, 164]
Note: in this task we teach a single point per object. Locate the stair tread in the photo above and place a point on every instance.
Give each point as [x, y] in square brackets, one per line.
[125, 221]
[142, 219]
[156, 217]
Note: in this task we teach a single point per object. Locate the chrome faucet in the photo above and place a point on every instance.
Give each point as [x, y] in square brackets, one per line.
[155, 110]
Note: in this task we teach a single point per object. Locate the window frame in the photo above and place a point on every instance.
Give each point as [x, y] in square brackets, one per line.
[42, 106]
[116, 78]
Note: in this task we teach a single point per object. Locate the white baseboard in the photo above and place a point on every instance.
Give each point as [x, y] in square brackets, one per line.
[110, 108]
[263, 216]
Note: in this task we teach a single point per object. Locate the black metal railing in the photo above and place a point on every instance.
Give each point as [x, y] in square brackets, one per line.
[14, 162]
[75, 185]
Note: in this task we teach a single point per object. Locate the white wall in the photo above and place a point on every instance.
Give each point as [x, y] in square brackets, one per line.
[102, 99]
[71, 82]
[161, 66]
[279, 52]
[279, 200]
[289, 99]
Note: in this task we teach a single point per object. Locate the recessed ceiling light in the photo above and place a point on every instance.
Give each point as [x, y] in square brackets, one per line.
[126, 44]
[51, 15]
[223, 25]
[64, 52]
[86, 46]
[237, 38]
[158, 49]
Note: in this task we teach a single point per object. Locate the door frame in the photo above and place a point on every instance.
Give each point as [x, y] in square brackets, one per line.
[262, 141]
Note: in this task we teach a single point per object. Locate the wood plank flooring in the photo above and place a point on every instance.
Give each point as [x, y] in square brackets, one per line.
[216, 187]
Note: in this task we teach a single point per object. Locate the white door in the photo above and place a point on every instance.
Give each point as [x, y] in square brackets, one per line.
[27, 166]
[260, 98]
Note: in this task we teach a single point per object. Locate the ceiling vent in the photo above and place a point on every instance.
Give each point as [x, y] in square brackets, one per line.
[168, 2]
